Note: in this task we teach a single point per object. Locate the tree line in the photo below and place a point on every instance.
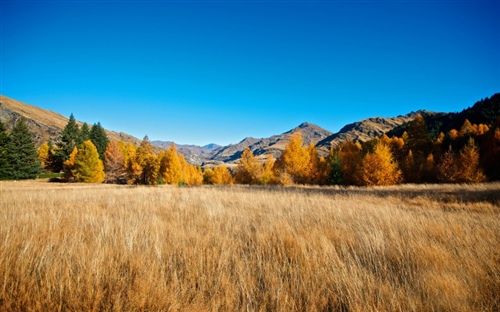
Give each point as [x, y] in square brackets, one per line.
[470, 154]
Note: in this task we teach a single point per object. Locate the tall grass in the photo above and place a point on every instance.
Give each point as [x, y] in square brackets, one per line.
[114, 248]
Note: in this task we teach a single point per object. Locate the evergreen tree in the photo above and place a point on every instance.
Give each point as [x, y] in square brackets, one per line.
[99, 138]
[88, 166]
[335, 176]
[22, 157]
[84, 134]
[4, 163]
[70, 137]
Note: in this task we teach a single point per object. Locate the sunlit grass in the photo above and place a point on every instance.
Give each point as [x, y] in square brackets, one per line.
[109, 247]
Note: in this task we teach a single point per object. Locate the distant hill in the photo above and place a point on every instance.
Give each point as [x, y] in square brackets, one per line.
[193, 153]
[273, 145]
[365, 130]
[485, 111]
[45, 125]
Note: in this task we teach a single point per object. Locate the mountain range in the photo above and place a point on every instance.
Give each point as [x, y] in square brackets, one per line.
[46, 125]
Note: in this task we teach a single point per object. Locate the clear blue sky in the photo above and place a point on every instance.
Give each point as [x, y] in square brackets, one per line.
[197, 72]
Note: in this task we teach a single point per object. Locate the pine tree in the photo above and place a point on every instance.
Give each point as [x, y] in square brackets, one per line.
[88, 166]
[99, 138]
[335, 175]
[70, 137]
[114, 164]
[84, 134]
[22, 156]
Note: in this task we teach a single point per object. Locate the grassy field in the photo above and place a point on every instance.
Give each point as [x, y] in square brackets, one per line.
[122, 248]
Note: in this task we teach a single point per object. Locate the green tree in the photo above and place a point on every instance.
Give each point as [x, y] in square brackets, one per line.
[335, 177]
[22, 157]
[4, 162]
[84, 134]
[99, 138]
[70, 137]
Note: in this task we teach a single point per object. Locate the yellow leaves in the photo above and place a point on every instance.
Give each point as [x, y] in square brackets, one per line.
[170, 167]
[379, 167]
[218, 176]
[87, 167]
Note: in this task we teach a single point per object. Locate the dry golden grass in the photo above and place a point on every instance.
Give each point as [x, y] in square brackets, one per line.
[114, 248]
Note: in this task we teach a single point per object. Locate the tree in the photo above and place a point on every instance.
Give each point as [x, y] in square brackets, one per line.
[267, 176]
[248, 168]
[84, 134]
[44, 154]
[419, 140]
[468, 164]
[379, 167]
[295, 159]
[143, 167]
[4, 162]
[114, 163]
[335, 176]
[222, 175]
[170, 166]
[22, 156]
[69, 166]
[88, 167]
[351, 160]
[70, 137]
[99, 138]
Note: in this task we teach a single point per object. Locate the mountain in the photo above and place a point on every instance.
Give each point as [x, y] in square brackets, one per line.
[273, 145]
[45, 125]
[485, 111]
[365, 130]
[193, 153]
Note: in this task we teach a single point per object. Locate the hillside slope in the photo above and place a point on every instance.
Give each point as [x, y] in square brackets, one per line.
[44, 125]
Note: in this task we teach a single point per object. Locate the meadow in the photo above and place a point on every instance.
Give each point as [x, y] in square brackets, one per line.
[87, 247]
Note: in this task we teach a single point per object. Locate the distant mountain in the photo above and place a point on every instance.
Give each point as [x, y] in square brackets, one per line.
[193, 153]
[273, 145]
[365, 130]
[485, 111]
[45, 125]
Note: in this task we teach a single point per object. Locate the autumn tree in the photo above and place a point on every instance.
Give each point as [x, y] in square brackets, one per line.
[248, 168]
[447, 169]
[171, 167]
[191, 174]
[351, 160]
[69, 166]
[266, 176]
[114, 164]
[468, 164]
[379, 167]
[491, 152]
[295, 159]
[222, 175]
[22, 157]
[88, 166]
[144, 167]
[335, 175]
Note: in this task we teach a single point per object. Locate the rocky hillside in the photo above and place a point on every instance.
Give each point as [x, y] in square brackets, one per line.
[365, 130]
[273, 145]
[45, 125]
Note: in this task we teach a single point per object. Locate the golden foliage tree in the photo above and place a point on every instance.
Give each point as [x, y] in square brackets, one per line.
[295, 160]
[143, 165]
[468, 164]
[267, 176]
[220, 175]
[350, 157]
[88, 167]
[379, 167]
[69, 165]
[248, 168]
[171, 167]
[191, 174]
[114, 163]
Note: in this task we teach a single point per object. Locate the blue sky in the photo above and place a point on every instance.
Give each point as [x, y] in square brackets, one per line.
[196, 72]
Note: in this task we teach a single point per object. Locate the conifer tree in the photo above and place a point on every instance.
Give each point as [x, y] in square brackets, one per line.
[22, 156]
[69, 166]
[222, 175]
[99, 138]
[379, 167]
[170, 166]
[70, 137]
[4, 162]
[248, 168]
[351, 161]
[88, 167]
[84, 134]
[295, 159]
[114, 163]
[335, 175]
[468, 164]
